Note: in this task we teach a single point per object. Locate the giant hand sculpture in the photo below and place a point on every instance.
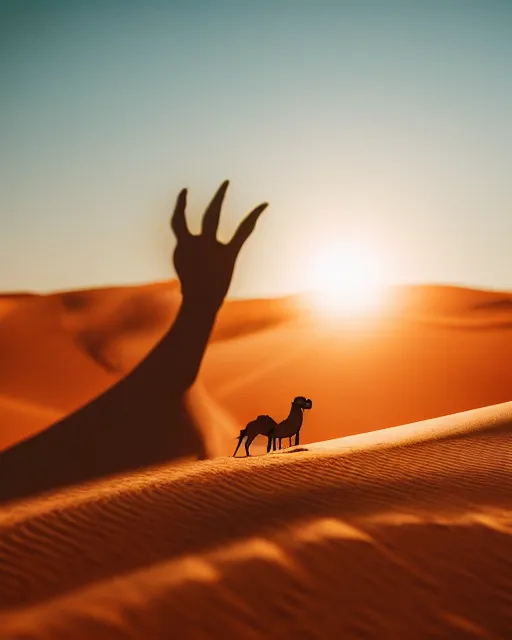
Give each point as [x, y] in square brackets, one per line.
[203, 264]
[145, 418]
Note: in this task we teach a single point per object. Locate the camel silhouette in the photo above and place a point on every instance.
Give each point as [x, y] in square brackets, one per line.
[266, 426]
[144, 418]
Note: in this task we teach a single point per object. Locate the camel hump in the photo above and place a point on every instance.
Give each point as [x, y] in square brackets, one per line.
[261, 425]
[267, 422]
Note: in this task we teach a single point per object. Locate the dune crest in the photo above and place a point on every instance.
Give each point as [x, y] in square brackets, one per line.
[409, 540]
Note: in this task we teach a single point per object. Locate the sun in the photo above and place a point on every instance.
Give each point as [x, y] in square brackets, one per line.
[347, 280]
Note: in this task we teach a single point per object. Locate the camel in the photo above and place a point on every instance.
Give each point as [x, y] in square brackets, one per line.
[144, 418]
[267, 426]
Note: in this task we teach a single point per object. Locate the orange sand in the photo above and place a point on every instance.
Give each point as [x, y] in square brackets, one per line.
[394, 533]
[435, 351]
[401, 534]
[59, 351]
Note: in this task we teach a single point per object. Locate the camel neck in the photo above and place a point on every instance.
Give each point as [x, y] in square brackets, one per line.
[295, 413]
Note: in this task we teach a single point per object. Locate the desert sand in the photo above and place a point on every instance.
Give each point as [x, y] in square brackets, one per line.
[432, 351]
[363, 531]
[403, 533]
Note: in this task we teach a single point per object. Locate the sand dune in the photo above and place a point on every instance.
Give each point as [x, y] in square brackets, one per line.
[376, 373]
[414, 361]
[41, 366]
[446, 299]
[62, 350]
[21, 417]
[9, 301]
[403, 533]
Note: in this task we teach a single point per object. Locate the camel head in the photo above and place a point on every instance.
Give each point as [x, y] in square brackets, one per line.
[302, 402]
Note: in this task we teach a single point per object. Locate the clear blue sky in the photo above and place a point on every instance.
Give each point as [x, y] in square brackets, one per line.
[389, 119]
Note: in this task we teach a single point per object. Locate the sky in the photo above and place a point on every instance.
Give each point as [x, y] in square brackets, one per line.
[379, 124]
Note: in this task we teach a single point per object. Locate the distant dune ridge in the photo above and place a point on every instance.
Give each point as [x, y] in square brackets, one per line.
[436, 350]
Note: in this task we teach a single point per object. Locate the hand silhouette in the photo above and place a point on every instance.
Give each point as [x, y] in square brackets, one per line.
[203, 264]
[104, 437]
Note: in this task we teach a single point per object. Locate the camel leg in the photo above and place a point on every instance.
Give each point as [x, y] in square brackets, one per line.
[269, 443]
[242, 435]
[296, 438]
[290, 441]
[248, 443]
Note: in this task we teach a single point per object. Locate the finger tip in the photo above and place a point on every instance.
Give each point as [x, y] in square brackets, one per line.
[182, 197]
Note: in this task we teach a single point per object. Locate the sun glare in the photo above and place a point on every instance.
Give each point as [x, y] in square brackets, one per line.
[347, 280]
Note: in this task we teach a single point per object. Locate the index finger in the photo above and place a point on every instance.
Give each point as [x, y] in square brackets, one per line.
[212, 213]
[178, 220]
